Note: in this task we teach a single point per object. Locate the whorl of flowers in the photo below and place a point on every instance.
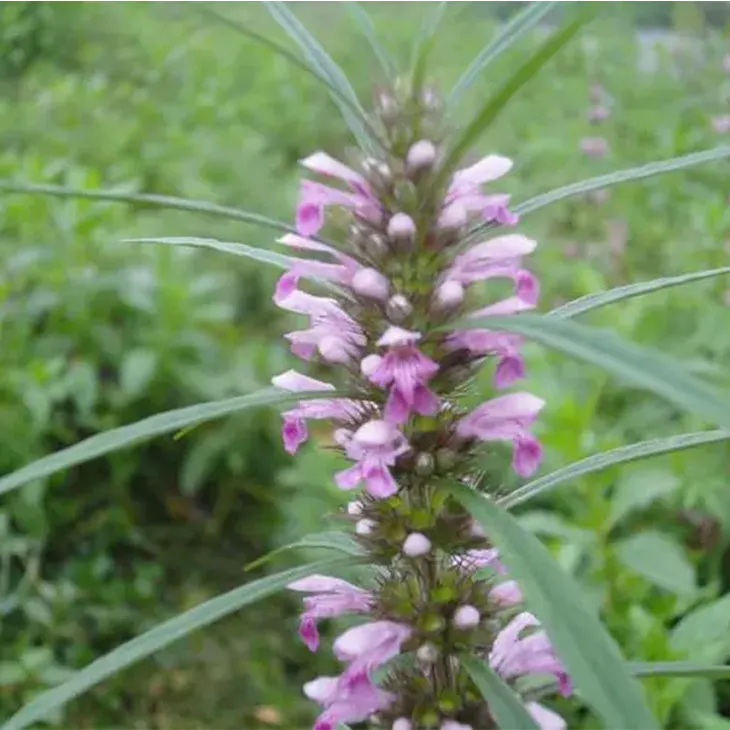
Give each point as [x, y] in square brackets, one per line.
[399, 270]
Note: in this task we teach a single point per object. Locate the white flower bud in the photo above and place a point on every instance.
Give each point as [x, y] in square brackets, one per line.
[427, 653]
[354, 508]
[365, 527]
[398, 308]
[402, 723]
[416, 545]
[401, 228]
[420, 157]
[466, 617]
[370, 364]
[449, 295]
[370, 283]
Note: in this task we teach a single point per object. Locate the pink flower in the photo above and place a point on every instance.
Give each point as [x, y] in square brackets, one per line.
[513, 654]
[315, 197]
[507, 418]
[371, 645]
[406, 370]
[594, 146]
[546, 719]
[721, 124]
[346, 700]
[332, 333]
[465, 192]
[500, 257]
[330, 597]
[375, 446]
[726, 63]
[504, 594]
[294, 430]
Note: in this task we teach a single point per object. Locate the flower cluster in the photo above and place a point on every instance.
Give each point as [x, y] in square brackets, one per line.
[402, 267]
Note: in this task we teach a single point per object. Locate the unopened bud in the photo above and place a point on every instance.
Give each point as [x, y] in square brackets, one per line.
[370, 283]
[416, 545]
[453, 217]
[594, 146]
[332, 350]
[427, 653]
[402, 723]
[466, 617]
[354, 509]
[424, 464]
[476, 530]
[370, 364]
[364, 527]
[401, 228]
[378, 170]
[446, 459]
[449, 295]
[420, 157]
[398, 308]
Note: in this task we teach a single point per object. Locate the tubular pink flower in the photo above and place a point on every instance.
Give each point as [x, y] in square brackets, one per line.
[546, 719]
[346, 700]
[514, 655]
[375, 446]
[507, 418]
[465, 191]
[315, 197]
[405, 370]
[369, 646]
[294, 430]
[506, 594]
[332, 333]
[329, 597]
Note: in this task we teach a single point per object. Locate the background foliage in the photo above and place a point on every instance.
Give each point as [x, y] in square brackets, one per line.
[97, 333]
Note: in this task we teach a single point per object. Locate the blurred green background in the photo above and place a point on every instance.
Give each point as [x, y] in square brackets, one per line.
[95, 333]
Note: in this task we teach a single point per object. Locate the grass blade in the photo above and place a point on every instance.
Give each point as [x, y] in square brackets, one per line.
[159, 201]
[343, 542]
[124, 436]
[366, 27]
[160, 636]
[323, 64]
[494, 105]
[237, 249]
[341, 98]
[621, 176]
[606, 459]
[638, 365]
[521, 23]
[589, 652]
[601, 299]
[504, 704]
[679, 669]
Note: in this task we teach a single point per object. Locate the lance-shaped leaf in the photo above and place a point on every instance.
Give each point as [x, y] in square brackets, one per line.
[170, 421]
[606, 459]
[680, 669]
[604, 298]
[424, 44]
[504, 704]
[237, 249]
[160, 636]
[590, 654]
[638, 365]
[158, 201]
[522, 23]
[365, 26]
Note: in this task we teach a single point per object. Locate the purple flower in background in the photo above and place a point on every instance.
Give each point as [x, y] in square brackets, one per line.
[594, 146]
[721, 124]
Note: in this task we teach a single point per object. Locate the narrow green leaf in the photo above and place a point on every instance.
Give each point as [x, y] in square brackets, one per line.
[621, 176]
[602, 299]
[124, 436]
[494, 105]
[340, 541]
[160, 636]
[598, 462]
[321, 62]
[160, 201]
[659, 560]
[679, 669]
[341, 98]
[424, 44]
[588, 651]
[504, 704]
[366, 27]
[521, 23]
[237, 249]
[638, 365]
